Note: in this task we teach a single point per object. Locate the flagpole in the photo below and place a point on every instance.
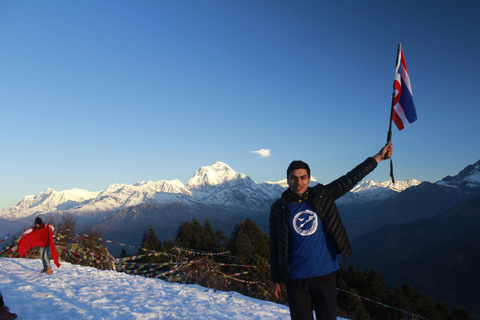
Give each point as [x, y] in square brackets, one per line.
[389, 136]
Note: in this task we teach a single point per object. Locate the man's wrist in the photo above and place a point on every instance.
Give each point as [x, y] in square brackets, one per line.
[378, 158]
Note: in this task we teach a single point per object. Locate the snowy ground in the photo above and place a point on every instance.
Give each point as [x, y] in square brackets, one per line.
[76, 292]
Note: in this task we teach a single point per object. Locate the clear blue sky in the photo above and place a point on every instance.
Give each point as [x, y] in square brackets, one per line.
[100, 92]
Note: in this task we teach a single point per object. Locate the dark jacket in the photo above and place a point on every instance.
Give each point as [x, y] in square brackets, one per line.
[322, 198]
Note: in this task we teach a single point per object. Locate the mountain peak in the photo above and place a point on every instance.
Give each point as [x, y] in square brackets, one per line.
[213, 175]
[470, 177]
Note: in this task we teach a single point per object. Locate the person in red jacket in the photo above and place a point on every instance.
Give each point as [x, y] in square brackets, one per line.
[44, 250]
[5, 313]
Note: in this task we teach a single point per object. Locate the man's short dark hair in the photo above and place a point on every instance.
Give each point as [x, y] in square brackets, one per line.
[297, 164]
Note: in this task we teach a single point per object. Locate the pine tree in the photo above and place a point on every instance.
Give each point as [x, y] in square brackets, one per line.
[150, 242]
[443, 311]
[377, 290]
[354, 278]
[192, 235]
[212, 240]
[461, 313]
[124, 253]
[399, 300]
[251, 244]
[169, 247]
[248, 240]
[351, 306]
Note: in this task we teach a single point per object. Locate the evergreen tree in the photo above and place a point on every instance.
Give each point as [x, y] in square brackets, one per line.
[351, 306]
[212, 240]
[251, 244]
[222, 239]
[399, 300]
[461, 313]
[248, 240]
[377, 290]
[354, 278]
[444, 311]
[123, 254]
[169, 247]
[149, 244]
[411, 300]
[192, 235]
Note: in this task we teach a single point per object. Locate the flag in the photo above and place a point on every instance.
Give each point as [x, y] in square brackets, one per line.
[403, 112]
[8, 235]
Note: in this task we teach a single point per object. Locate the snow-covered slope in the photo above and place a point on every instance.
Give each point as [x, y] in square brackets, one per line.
[69, 294]
[217, 184]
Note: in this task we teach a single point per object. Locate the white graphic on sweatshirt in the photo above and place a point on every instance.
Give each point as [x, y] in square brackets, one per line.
[305, 223]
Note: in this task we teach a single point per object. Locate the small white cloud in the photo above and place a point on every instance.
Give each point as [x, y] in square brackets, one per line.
[262, 152]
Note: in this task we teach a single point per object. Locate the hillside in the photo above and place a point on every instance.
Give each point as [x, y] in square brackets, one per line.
[439, 255]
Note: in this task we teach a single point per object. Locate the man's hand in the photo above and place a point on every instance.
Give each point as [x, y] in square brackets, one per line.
[277, 291]
[384, 153]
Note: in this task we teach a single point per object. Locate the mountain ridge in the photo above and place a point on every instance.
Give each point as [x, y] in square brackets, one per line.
[215, 184]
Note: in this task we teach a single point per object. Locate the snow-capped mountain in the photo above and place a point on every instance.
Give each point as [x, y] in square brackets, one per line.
[214, 175]
[468, 177]
[367, 191]
[217, 184]
[118, 196]
[47, 201]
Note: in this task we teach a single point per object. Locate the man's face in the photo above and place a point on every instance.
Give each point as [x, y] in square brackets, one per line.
[298, 181]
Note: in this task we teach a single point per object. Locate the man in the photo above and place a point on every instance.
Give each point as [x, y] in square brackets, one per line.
[305, 235]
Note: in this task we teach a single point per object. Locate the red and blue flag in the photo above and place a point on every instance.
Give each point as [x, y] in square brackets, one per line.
[404, 112]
